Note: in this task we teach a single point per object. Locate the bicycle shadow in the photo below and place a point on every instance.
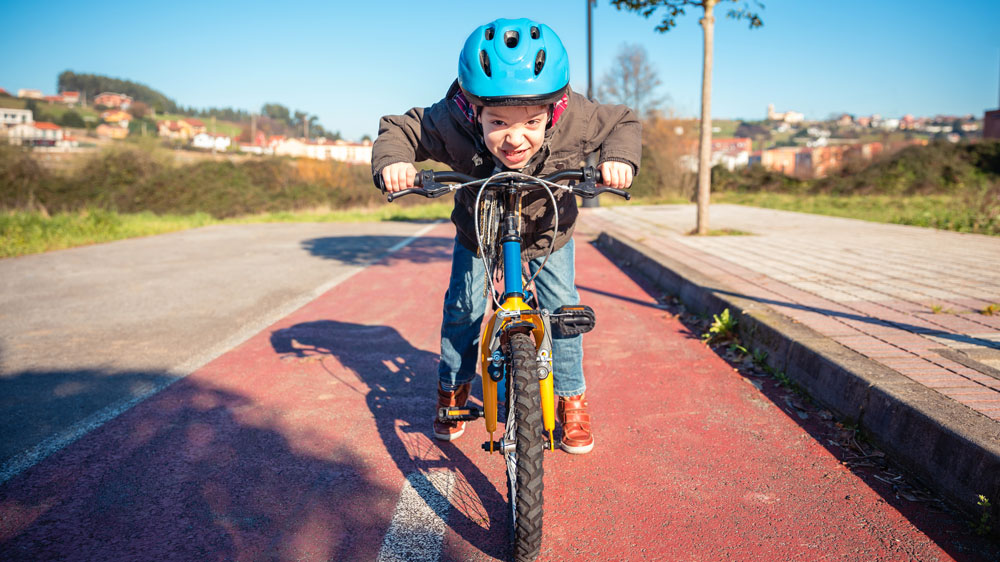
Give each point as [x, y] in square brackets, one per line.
[196, 472]
[400, 383]
[366, 249]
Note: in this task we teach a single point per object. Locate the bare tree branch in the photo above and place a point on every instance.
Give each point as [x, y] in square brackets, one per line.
[632, 81]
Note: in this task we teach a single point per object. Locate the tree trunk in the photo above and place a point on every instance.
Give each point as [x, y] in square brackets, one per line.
[705, 148]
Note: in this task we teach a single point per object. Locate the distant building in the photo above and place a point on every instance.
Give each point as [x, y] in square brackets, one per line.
[818, 161]
[322, 149]
[729, 152]
[737, 144]
[112, 99]
[30, 94]
[9, 117]
[106, 131]
[70, 98]
[991, 124]
[39, 134]
[183, 129]
[780, 159]
[786, 117]
[210, 141]
[116, 116]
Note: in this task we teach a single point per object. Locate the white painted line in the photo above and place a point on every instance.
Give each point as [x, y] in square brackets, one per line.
[416, 532]
[54, 443]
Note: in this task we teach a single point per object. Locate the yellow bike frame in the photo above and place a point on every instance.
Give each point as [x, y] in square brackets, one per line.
[514, 303]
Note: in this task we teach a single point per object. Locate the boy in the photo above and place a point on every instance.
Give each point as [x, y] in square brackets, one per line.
[511, 109]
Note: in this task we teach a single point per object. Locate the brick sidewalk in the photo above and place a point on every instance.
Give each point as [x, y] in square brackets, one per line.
[911, 299]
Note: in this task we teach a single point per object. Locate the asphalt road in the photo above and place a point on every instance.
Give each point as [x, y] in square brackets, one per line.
[87, 332]
[311, 440]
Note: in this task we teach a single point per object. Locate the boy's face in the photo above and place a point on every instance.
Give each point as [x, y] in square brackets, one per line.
[514, 134]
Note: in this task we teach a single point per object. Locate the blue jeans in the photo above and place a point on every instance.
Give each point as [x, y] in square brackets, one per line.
[465, 306]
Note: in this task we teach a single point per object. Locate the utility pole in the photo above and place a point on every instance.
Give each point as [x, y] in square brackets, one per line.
[253, 128]
[590, 51]
[591, 160]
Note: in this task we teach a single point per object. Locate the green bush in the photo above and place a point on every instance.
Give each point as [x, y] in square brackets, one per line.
[962, 180]
[72, 119]
[133, 178]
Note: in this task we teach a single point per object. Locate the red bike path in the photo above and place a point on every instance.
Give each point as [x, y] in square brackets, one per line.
[300, 443]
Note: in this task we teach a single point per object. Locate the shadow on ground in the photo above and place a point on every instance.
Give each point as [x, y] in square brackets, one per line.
[193, 473]
[362, 250]
[401, 381]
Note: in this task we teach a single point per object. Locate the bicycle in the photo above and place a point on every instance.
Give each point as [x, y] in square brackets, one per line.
[516, 346]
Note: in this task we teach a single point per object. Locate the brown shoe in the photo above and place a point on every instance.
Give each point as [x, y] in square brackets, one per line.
[449, 431]
[577, 438]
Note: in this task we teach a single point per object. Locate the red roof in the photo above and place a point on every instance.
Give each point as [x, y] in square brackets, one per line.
[46, 125]
[194, 122]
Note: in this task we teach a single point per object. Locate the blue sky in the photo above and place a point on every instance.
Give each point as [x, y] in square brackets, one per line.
[351, 62]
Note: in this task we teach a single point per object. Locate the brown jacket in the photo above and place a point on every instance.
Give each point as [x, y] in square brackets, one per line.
[447, 133]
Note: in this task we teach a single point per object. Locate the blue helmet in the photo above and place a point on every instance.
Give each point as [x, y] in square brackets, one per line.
[513, 62]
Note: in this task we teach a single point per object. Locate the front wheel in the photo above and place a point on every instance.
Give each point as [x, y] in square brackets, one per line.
[524, 464]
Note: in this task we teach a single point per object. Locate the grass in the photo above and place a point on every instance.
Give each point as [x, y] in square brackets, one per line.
[221, 127]
[31, 233]
[23, 233]
[937, 211]
[50, 110]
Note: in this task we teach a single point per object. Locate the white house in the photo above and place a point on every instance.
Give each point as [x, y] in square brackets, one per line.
[290, 147]
[786, 117]
[352, 152]
[256, 149]
[343, 151]
[209, 141]
[10, 117]
[39, 134]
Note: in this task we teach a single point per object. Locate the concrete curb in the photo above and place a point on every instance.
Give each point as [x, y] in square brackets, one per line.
[952, 449]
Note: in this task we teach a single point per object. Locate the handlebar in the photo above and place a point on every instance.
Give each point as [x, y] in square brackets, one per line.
[433, 184]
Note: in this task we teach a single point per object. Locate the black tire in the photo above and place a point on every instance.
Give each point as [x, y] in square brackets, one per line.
[524, 489]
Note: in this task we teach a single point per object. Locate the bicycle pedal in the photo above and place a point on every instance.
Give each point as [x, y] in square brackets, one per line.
[465, 413]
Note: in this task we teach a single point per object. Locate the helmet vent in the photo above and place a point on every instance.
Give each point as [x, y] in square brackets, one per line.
[484, 61]
[510, 38]
[539, 61]
[534, 32]
[489, 33]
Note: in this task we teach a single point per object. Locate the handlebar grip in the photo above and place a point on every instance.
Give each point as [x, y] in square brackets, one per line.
[396, 194]
[619, 192]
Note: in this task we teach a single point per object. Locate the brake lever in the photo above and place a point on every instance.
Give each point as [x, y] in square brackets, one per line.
[619, 192]
[588, 188]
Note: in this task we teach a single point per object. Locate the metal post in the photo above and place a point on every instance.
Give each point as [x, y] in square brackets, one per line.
[590, 51]
[591, 158]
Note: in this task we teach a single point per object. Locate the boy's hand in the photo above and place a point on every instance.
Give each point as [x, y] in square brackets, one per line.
[398, 176]
[616, 174]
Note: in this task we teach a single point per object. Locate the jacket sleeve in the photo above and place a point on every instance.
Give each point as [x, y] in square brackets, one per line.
[412, 137]
[617, 132]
